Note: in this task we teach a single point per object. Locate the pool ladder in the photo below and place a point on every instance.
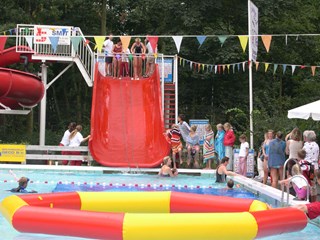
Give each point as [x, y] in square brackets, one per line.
[288, 188]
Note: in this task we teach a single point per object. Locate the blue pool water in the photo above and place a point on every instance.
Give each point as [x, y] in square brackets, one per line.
[53, 181]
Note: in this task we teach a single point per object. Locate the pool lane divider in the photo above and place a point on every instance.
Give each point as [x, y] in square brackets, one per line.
[148, 215]
[115, 184]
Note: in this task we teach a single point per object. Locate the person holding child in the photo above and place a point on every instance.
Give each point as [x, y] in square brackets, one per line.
[208, 147]
[243, 155]
[193, 146]
[174, 136]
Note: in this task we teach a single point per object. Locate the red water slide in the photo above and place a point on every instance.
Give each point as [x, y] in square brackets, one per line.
[18, 88]
[126, 122]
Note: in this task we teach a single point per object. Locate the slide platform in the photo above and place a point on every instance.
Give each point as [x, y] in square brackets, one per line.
[18, 88]
[126, 122]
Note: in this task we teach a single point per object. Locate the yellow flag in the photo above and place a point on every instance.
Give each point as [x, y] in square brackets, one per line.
[313, 70]
[257, 66]
[243, 42]
[228, 66]
[202, 67]
[266, 39]
[266, 65]
[125, 40]
[99, 42]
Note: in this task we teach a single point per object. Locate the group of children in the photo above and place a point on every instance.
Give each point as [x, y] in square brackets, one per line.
[117, 58]
[215, 147]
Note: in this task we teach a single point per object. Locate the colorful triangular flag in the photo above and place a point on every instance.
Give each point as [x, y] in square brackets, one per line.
[215, 69]
[201, 39]
[125, 40]
[284, 68]
[257, 65]
[222, 39]
[29, 40]
[54, 40]
[266, 39]
[275, 66]
[244, 66]
[75, 41]
[243, 42]
[266, 66]
[177, 40]
[3, 40]
[313, 70]
[99, 43]
[293, 67]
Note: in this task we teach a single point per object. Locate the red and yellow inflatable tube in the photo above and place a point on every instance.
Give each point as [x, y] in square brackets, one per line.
[148, 215]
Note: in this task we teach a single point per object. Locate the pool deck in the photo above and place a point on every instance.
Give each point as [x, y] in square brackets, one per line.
[250, 184]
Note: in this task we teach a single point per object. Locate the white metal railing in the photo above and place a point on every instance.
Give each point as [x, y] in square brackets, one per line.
[54, 153]
[80, 53]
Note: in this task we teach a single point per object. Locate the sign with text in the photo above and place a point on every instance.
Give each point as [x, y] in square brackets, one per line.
[42, 34]
[12, 153]
[201, 127]
[250, 162]
[168, 69]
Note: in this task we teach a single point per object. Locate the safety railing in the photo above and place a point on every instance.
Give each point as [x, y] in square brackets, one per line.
[70, 45]
[57, 154]
[288, 188]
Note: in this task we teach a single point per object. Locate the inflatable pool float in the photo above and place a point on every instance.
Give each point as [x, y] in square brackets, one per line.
[148, 215]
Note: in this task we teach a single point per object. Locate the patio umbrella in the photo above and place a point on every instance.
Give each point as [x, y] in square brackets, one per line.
[306, 111]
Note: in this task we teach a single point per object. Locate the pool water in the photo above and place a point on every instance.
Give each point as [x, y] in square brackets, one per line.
[53, 181]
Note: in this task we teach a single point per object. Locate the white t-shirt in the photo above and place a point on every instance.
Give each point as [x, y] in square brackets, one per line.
[76, 140]
[65, 139]
[125, 57]
[184, 129]
[108, 46]
[299, 182]
[312, 150]
[243, 149]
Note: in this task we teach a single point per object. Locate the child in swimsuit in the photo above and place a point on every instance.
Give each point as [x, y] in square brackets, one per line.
[23, 183]
[166, 170]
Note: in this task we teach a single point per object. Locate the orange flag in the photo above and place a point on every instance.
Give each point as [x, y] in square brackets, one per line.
[257, 66]
[313, 70]
[125, 40]
[266, 39]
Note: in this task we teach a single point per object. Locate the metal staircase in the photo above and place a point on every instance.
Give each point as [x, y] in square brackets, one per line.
[36, 39]
[169, 104]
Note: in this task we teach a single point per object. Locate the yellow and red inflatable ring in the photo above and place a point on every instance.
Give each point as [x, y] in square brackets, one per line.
[148, 215]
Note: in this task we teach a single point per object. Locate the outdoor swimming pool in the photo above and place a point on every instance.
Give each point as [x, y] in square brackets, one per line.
[55, 181]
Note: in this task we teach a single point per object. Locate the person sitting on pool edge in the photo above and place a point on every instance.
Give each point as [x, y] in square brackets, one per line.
[166, 170]
[222, 172]
[23, 183]
[312, 210]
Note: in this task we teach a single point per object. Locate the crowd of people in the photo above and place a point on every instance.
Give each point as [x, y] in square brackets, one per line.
[302, 164]
[117, 59]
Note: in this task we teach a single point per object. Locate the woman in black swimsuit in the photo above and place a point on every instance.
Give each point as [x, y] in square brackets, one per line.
[138, 49]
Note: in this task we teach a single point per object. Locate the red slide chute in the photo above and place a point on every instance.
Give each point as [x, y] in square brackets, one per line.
[18, 88]
[127, 123]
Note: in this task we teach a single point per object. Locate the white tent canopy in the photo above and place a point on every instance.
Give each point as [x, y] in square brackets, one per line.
[306, 111]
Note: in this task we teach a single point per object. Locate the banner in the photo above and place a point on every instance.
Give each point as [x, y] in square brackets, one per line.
[201, 127]
[253, 30]
[250, 162]
[168, 69]
[42, 34]
[12, 153]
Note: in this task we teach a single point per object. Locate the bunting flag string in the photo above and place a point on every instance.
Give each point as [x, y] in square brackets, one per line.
[218, 68]
[54, 40]
[125, 40]
[99, 43]
[243, 42]
[266, 39]
[201, 39]
[153, 42]
[177, 40]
